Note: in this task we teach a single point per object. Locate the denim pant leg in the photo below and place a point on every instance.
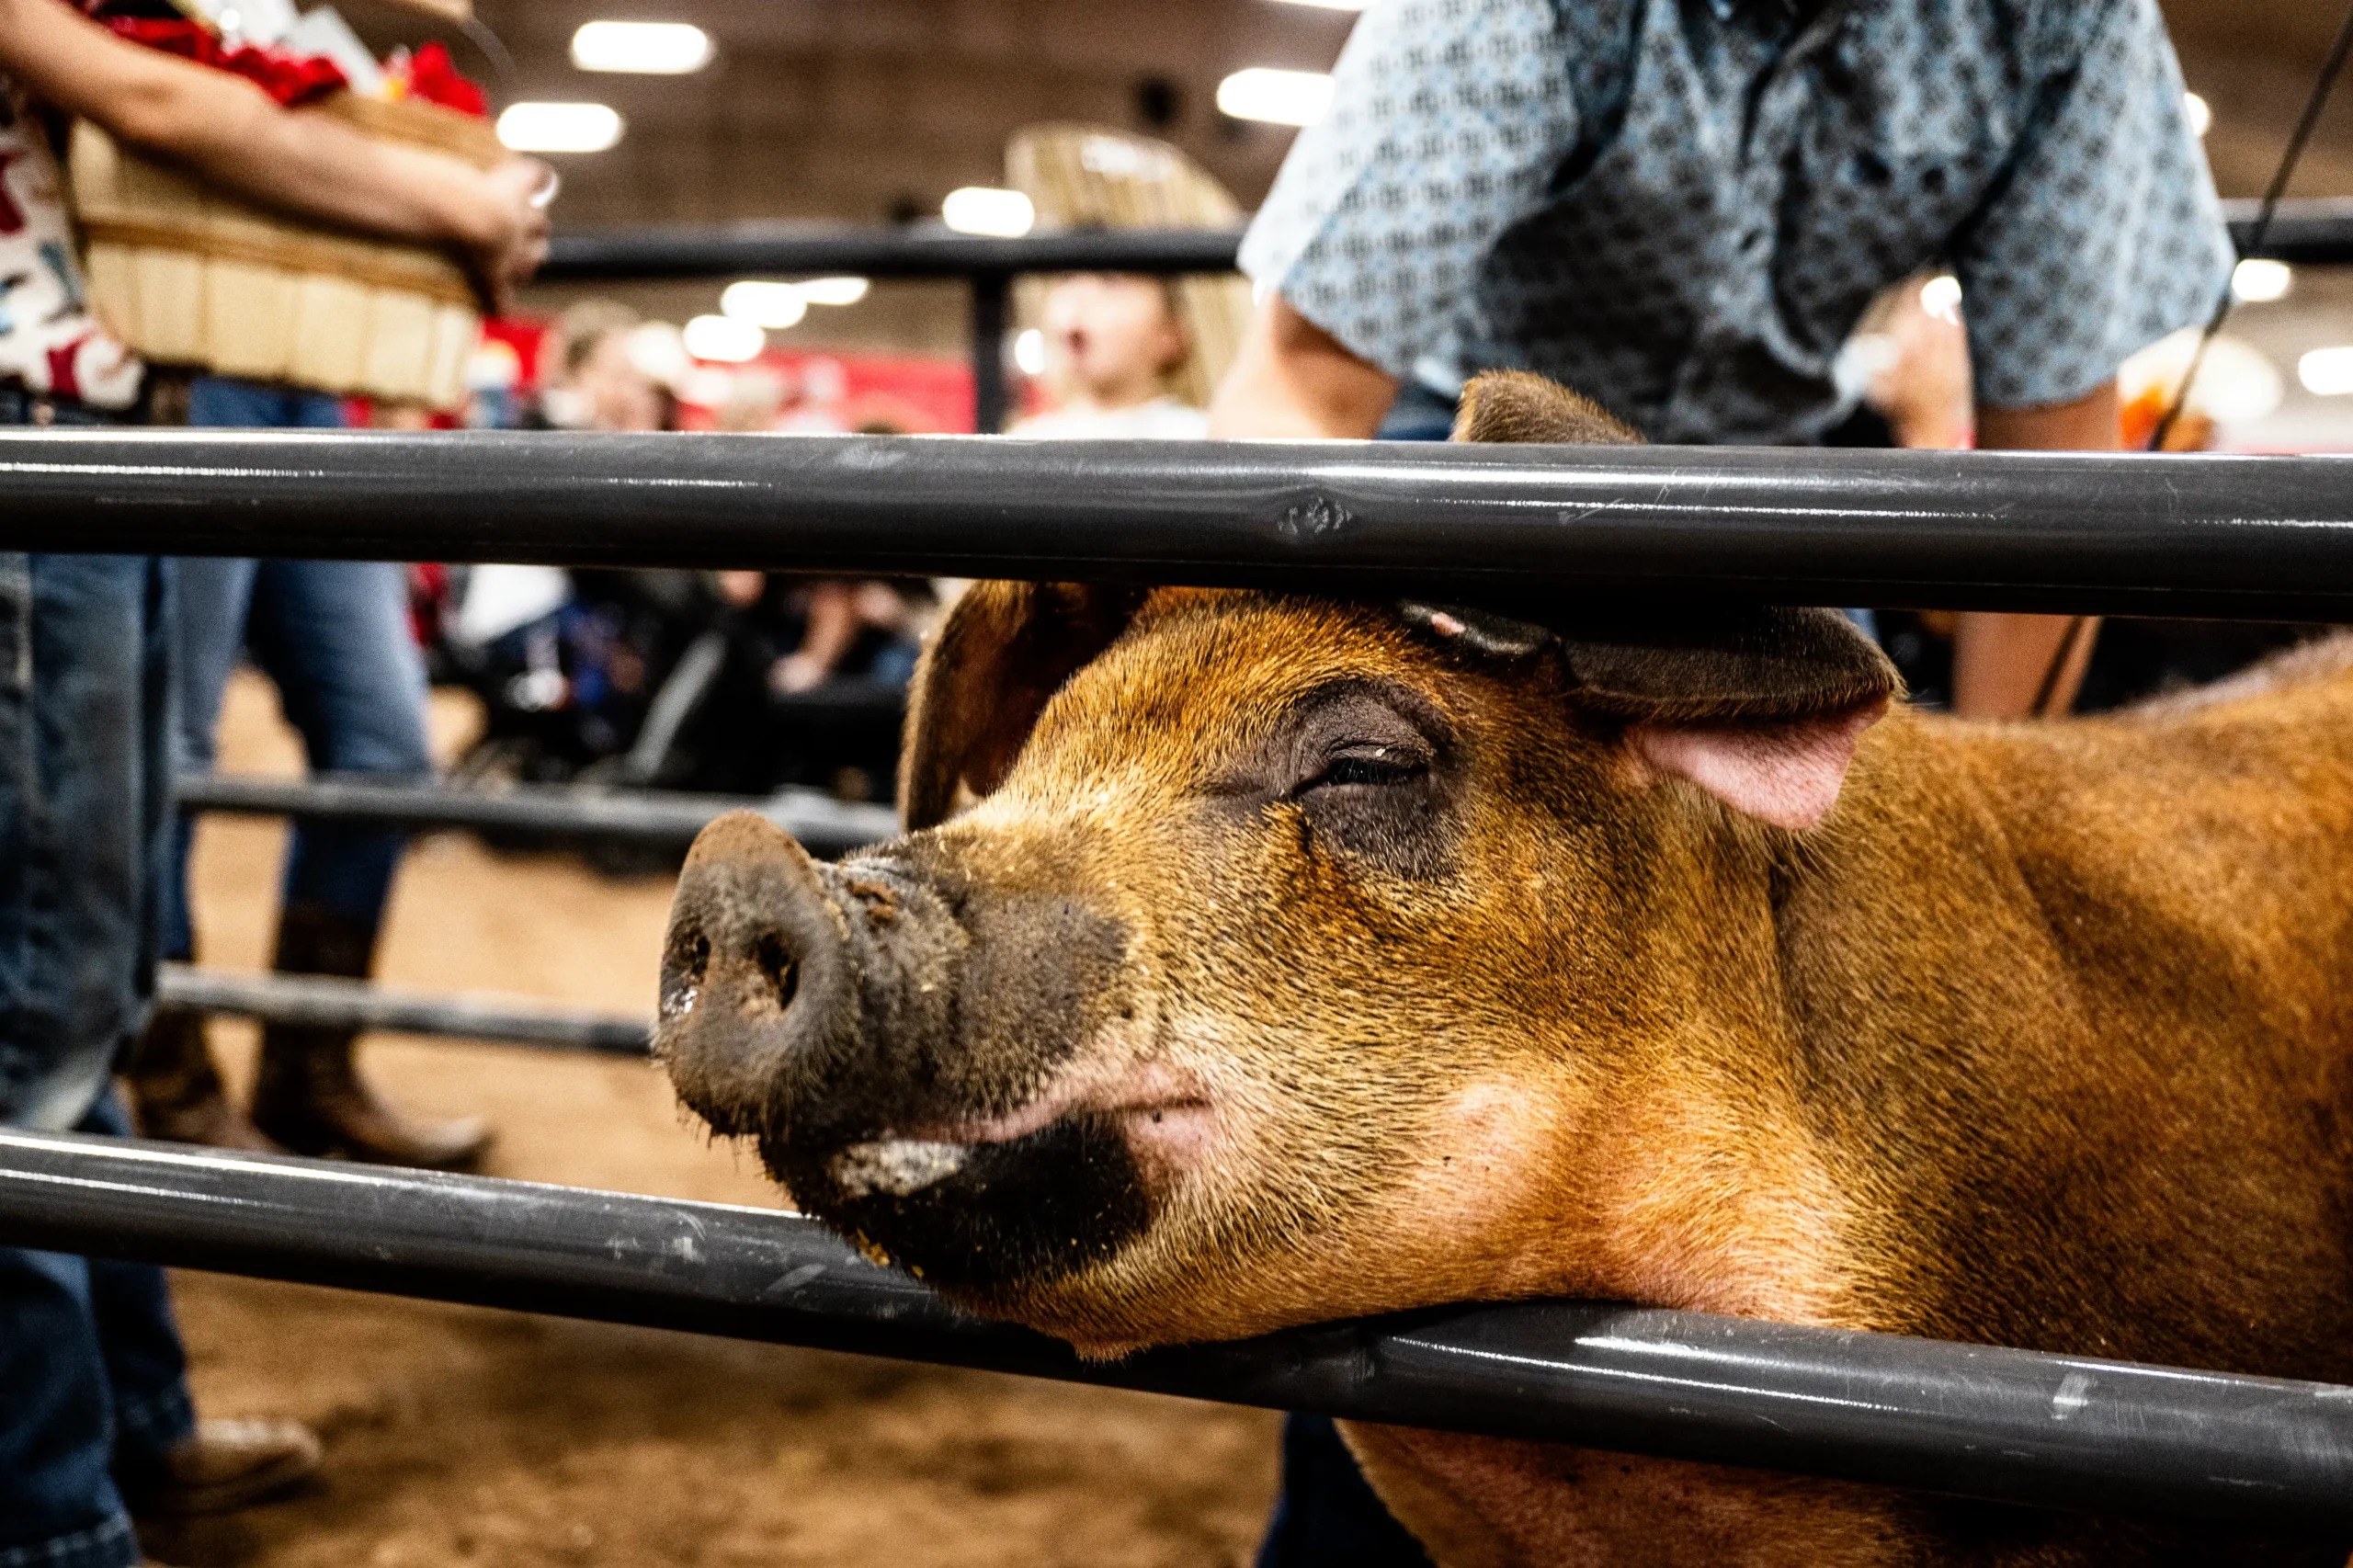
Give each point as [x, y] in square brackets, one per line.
[334, 636]
[1326, 1515]
[146, 1363]
[214, 595]
[82, 786]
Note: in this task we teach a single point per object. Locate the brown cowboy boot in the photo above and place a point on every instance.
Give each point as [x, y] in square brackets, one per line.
[309, 1095]
[176, 1091]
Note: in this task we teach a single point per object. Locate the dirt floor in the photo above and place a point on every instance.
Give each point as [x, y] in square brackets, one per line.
[457, 1436]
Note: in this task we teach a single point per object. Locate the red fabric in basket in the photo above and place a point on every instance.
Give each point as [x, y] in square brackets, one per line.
[293, 79]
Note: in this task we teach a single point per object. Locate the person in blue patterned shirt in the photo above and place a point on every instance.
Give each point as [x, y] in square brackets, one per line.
[1682, 210]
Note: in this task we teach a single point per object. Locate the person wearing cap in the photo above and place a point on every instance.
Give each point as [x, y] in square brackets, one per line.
[1681, 210]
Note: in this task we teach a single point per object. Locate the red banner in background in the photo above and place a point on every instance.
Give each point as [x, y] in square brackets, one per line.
[816, 393]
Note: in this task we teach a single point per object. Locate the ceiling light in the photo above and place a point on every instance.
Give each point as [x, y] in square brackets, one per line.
[1940, 297]
[652, 48]
[833, 290]
[1030, 353]
[2327, 372]
[1279, 98]
[983, 209]
[724, 339]
[773, 305]
[2259, 281]
[558, 128]
[2200, 113]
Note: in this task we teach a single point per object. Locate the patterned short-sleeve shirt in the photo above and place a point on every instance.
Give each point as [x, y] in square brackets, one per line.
[1682, 207]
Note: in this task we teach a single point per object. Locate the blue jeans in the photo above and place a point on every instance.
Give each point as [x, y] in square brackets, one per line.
[92, 1380]
[90, 1365]
[334, 636]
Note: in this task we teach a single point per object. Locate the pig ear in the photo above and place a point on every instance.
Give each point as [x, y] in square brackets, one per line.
[1761, 707]
[1513, 405]
[1003, 651]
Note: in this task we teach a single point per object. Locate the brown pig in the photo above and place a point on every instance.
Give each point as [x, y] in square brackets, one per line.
[1256, 961]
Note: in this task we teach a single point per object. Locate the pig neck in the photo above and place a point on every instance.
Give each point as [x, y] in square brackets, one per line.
[2038, 1041]
[1850, 1032]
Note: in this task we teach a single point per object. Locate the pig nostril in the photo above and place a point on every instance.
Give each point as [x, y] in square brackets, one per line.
[777, 963]
[682, 972]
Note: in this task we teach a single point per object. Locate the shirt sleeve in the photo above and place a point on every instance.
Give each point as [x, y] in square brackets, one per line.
[2107, 234]
[1447, 118]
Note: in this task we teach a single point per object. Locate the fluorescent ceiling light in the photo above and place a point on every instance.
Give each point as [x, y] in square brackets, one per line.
[1030, 353]
[772, 305]
[2327, 372]
[2259, 280]
[983, 209]
[1279, 98]
[652, 48]
[724, 339]
[833, 290]
[2200, 113]
[558, 128]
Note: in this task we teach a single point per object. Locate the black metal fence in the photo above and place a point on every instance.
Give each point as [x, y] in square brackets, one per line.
[2060, 1431]
[2313, 233]
[2252, 537]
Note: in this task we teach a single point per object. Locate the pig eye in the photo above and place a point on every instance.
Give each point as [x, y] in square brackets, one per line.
[1373, 766]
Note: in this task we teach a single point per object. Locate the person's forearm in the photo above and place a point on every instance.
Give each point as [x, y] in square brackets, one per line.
[2015, 666]
[1290, 378]
[228, 129]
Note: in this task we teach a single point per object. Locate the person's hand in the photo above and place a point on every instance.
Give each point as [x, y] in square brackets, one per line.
[511, 239]
[797, 672]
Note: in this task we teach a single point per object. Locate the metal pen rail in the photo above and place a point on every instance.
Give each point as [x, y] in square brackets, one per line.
[1541, 526]
[2312, 232]
[824, 825]
[2011, 1426]
[325, 1001]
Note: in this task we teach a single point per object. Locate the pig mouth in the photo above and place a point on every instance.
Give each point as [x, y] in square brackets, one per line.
[1158, 1132]
[992, 1204]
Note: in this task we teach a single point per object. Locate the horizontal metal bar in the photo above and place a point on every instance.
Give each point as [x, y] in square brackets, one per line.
[825, 826]
[2314, 233]
[2311, 231]
[2008, 1424]
[916, 250]
[2254, 537]
[331, 1002]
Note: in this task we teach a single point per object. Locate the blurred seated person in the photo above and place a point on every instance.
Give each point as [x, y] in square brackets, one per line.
[866, 629]
[1114, 342]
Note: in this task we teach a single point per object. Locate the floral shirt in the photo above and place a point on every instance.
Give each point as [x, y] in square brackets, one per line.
[51, 341]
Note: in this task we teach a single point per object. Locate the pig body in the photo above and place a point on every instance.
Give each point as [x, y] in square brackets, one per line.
[1262, 960]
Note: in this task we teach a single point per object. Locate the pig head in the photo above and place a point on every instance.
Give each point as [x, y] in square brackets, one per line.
[1255, 960]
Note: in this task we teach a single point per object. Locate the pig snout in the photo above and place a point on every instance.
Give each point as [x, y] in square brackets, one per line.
[888, 1033]
[755, 975]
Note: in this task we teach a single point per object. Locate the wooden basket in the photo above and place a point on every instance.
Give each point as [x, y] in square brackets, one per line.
[1079, 176]
[189, 275]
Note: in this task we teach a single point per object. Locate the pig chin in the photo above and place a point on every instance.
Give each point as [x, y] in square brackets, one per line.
[1007, 1205]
